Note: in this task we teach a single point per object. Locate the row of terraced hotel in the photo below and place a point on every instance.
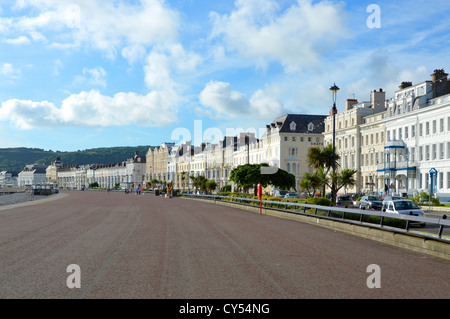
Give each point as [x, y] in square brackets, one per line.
[398, 144]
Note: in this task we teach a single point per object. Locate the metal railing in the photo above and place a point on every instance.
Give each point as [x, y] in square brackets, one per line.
[380, 219]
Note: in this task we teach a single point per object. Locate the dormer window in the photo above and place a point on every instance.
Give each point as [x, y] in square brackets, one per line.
[293, 126]
[310, 126]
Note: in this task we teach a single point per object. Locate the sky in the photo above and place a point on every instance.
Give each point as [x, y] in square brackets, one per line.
[82, 74]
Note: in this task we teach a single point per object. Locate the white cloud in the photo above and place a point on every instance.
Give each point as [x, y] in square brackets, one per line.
[297, 38]
[104, 25]
[227, 103]
[26, 114]
[92, 109]
[8, 71]
[134, 53]
[164, 61]
[18, 41]
[93, 77]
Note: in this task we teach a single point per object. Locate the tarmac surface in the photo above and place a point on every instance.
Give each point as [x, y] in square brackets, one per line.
[146, 246]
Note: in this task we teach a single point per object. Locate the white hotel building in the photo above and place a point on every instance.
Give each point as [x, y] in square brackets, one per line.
[417, 128]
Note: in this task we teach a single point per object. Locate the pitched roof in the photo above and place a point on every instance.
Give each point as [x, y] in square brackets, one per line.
[302, 123]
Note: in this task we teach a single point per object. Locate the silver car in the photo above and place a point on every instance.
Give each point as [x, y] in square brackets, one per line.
[404, 207]
[370, 202]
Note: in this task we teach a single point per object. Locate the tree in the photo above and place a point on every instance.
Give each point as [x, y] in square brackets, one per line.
[249, 176]
[211, 185]
[310, 183]
[199, 182]
[94, 185]
[339, 179]
[321, 159]
[183, 179]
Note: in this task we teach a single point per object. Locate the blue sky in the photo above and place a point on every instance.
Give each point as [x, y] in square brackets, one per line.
[96, 73]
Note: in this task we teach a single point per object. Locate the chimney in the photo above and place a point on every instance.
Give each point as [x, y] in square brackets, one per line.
[404, 85]
[378, 100]
[349, 104]
[440, 82]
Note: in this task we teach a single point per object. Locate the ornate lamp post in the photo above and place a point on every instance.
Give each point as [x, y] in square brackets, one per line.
[334, 89]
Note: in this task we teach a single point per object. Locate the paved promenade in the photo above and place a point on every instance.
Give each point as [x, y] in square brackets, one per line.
[143, 246]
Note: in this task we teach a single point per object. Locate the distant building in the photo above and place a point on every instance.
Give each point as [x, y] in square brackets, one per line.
[33, 174]
[52, 171]
[287, 140]
[6, 179]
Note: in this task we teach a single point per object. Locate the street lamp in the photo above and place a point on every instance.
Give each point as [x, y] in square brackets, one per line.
[334, 89]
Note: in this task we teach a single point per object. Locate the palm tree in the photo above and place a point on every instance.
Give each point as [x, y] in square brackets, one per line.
[311, 182]
[344, 178]
[321, 159]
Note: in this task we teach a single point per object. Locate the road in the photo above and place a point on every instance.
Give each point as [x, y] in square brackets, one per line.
[144, 246]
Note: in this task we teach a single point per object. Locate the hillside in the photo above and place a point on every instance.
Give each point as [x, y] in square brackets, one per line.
[15, 159]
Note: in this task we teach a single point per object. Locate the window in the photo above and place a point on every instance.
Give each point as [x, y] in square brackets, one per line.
[292, 151]
[311, 127]
[293, 126]
[413, 131]
[420, 153]
[406, 132]
[434, 127]
[441, 125]
[427, 152]
[448, 179]
[441, 180]
[433, 151]
[427, 128]
[441, 150]
[420, 129]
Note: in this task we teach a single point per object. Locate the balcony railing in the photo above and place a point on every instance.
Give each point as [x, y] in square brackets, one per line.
[397, 165]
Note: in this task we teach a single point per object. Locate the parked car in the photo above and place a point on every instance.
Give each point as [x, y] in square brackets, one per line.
[344, 200]
[388, 198]
[404, 207]
[280, 194]
[291, 195]
[370, 202]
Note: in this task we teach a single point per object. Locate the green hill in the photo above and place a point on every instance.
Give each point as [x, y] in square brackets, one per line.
[15, 159]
